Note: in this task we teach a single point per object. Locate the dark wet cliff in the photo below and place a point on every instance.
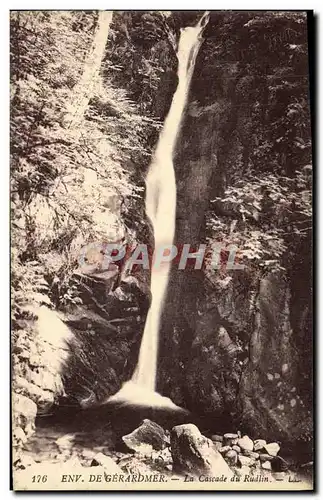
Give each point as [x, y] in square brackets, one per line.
[231, 340]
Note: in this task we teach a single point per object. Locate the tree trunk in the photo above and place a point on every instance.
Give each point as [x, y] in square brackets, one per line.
[89, 81]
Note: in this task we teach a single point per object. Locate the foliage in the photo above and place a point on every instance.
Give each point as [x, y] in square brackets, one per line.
[66, 175]
[263, 203]
[143, 52]
[266, 218]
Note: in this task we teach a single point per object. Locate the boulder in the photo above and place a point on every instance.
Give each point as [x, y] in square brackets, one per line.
[231, 457]
[217, 438]
[136, 465]
[193, 453]
[224, 449]
[259, 444]
[24, 412]
[230, 439]
[266, 465]
[242, 460]
[24, 409]
[44, 399]
[280, 476]
[272, 449]
[217, 445]
[24, 406]
[245, 443]
[149, 436]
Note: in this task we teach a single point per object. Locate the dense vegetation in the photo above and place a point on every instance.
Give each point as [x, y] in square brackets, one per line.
[69, 172]
[78, 153]
[266, 193]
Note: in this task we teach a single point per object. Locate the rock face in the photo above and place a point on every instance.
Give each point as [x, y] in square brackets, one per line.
[147, 437]
[238, 348]
[233, 349]
[81, 356]
[273, 368]
[39, 357]
[107, 331]
[195, 454]
[234, 344]
[24, 414]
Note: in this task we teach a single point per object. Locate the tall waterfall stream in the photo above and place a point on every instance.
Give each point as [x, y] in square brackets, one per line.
[161, 209]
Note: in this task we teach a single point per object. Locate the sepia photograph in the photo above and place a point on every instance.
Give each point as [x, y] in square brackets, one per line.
[161, 250]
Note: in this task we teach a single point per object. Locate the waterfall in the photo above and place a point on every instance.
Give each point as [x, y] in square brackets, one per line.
[161, 209]
[161, 200]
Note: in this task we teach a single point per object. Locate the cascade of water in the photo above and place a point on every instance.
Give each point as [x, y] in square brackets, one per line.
[161, 207]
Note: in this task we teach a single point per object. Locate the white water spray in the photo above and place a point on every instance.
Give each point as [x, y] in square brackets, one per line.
[161, 209]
